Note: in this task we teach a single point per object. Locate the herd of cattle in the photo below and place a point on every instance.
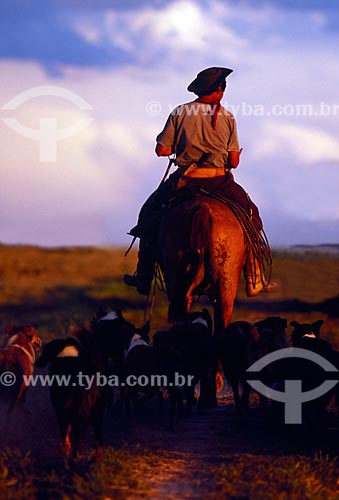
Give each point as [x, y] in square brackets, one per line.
[179, 358]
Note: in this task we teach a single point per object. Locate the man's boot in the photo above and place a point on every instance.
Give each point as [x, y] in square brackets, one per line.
[254, 279]
[143, 277]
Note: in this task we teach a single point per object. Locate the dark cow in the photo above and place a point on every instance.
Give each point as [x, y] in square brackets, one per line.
[141, 369]
[80, 359]
[238, 350]
[307, 336]
[271, 337]
[185, 350]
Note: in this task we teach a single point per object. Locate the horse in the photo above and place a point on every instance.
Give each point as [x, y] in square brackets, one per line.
[201, 252]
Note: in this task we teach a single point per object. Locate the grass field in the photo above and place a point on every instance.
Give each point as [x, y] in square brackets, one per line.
[55, 288]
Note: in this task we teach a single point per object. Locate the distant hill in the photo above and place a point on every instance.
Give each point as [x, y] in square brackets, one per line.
[332, 248]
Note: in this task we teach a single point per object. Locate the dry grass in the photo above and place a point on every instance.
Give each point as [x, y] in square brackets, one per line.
[54, 288]
[31, 273]
[282, 478]
[109, 476]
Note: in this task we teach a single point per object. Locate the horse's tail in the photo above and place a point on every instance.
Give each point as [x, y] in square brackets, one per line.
[198, 237]
[193, 257]
[199, 228]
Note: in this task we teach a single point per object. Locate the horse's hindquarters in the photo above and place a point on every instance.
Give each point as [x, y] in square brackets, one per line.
[202, 247]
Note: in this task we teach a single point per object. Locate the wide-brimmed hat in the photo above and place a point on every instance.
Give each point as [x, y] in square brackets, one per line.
[207, 79]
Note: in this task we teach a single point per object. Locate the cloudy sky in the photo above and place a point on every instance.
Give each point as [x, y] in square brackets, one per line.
[86, 85]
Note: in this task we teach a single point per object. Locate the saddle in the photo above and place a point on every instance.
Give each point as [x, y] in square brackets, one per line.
[187, 187]
[200, 172]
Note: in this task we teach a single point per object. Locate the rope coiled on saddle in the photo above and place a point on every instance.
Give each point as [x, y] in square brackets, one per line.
[257, 246]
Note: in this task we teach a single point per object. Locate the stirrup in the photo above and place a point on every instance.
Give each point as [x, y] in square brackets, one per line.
[134, 280]
[130, 279]
[252, 291]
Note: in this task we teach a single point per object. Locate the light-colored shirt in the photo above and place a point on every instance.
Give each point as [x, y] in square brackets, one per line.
[189, 132]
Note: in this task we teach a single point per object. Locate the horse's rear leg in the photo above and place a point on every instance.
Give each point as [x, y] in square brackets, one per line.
[222, 317]
[203, 399]
[66, 447]
[245, 399]
[211, 398]
[223, 310]
[235, 388]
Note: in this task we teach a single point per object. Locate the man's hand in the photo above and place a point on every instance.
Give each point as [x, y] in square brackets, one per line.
[162, 151]
[233, 158]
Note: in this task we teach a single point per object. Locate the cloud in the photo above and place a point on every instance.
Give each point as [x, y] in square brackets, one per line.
[109, 33]
[41, 31]
[171, 35]
[101, 176]
[293, 4]
[277, 172]
[119, 56]
[119, 5]
[305, 145]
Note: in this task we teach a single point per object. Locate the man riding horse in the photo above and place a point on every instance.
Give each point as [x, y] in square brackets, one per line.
[203, 136]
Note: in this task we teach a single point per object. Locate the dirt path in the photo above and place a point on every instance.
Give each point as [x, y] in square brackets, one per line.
[184, 464]
[187, 460]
